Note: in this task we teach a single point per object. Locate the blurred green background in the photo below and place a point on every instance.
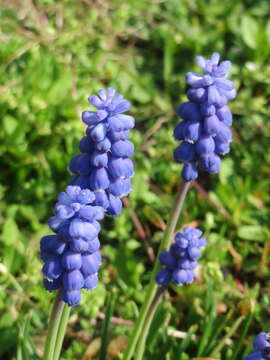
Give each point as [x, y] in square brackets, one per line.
[53, 55]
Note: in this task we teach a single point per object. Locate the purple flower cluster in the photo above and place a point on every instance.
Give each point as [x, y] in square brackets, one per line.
[104, 165]
[182, 258]
[261, 345]
[71, 257]
[205, 132]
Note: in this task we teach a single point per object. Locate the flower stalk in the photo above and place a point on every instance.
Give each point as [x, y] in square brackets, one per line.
[54, 322]
[179, 265]
[140, 329]
[148, 321]
[61, 331]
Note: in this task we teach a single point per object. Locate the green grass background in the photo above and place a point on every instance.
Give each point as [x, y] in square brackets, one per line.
[53, 55]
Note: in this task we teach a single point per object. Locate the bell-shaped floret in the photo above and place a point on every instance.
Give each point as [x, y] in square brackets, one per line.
[53, 244]
[86, 145]
[73, 166]
[93, 246]
[103, 145]
[194, 253]
[120, 187]
[186, 264]
[115, 206]
[94, 117]
[91, 281]
[82, 229]
[192, 131]
[198, 95]
[190, 171]
[207, 109]
[99, 179]
[101, 199]
[221, 148]
[52, 268]
[99, 159]
[120, 167]
[90, 263]
[180, 276]
[167, 259]
[163, 277]
[211, 125]
[224, 114]
[224, 134]
[52, 285]
[205, 145]
[91, 213]
[189, 111]
[118, 135]
[185, 152]
[181, 240]
[72, 298]
[79, 245]
[73, 280]
[210, 163]
[97, 132]
[198, 80]
[122, 148]
[71, 260]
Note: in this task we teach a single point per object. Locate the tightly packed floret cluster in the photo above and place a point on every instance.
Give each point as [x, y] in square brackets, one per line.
[71, 257]
[205, 130]
[261, 346]
[103, 170]
[104, 165]
[182, 258]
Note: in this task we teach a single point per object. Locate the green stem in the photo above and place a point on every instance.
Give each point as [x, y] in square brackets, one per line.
[61, 332]
[54, 321]
[105, 325]
[152, 287]
[148, 320]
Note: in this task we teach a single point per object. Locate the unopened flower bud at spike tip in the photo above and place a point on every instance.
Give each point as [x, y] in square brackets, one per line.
[205, 115]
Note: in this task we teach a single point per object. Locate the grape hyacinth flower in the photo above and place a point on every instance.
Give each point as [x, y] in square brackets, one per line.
[261, 346]
[205, 130]
[71, 257]
[104, 165]
[182, 258]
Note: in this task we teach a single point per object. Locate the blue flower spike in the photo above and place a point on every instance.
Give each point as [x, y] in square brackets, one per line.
[102, 177]
[104, 165]
[181, 260]
[71, 257]
[205, 130]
